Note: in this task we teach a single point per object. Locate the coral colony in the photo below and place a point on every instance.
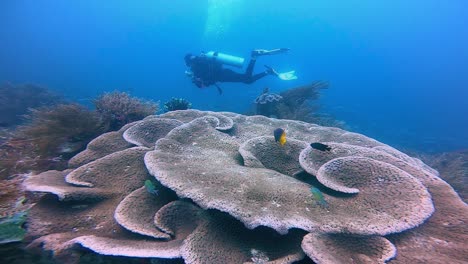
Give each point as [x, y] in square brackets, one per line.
[227, 192]
[177, 104]
[53, 134]
[119, 108]
[299, 103]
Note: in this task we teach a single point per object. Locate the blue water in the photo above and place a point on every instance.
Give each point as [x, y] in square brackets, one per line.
[398, 70]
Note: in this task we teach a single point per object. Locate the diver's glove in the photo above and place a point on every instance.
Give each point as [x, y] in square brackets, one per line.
[189, 73]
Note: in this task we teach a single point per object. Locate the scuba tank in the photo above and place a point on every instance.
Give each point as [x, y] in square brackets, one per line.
[225, 58]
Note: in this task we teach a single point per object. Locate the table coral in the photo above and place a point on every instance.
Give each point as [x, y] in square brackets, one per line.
[228, 193]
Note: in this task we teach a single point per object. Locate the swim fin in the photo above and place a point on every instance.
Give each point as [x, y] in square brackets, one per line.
[261, 52]
[271, 71]
[287, 76]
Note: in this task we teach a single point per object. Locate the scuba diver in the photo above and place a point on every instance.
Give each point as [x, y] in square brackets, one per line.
[207, 68]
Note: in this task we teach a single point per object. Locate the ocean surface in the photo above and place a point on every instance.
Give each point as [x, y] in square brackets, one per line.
[398, 70]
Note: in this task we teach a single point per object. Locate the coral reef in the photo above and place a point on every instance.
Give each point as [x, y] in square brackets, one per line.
[54, 134]
[152, 128]
[267, 103]
[333, 248]
[453, 167]
[101, 146]
[267, 97]
[49, 138]
[12, 197]
[64, 128]
[15, 100]
[14, 207]
[119, 108]
[296, 104]
[177, 104]
[226, 192]
[297, 96]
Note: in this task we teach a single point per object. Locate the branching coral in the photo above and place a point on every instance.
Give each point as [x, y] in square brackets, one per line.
[177, 104]
[50, 136]
[297, 96]
[51, 127]
[228, 193]
[300, 103]
[297, 104]
[119, 108]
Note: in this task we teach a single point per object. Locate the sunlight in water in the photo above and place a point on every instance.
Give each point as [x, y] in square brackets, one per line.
[220, 15]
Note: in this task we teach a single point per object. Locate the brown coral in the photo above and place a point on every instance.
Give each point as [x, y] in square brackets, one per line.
[333, 248]
[297, 103]
[119, 108]
[51, 136]
[101, 146]
[276, 195]
[50, 128]
[148, 131]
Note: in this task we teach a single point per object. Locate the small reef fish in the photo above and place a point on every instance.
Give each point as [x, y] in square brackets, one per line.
[150, 187]
[320, 146]
[318, 196]
[280, 136]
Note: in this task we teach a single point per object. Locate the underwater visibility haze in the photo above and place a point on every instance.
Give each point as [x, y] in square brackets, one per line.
[397, 70]
[350, 161]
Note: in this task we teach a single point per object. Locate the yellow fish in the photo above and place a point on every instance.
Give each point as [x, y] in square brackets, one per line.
[280, 136]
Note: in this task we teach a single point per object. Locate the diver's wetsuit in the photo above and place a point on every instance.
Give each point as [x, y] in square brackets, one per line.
[207, 72]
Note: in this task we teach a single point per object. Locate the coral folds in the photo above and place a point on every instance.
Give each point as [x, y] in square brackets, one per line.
[225, 192]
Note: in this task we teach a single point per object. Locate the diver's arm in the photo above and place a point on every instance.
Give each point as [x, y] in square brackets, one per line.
[198, 82]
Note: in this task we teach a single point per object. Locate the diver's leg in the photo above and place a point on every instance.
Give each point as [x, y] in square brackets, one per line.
[228, 75]
[256, 77]
[249, 71]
